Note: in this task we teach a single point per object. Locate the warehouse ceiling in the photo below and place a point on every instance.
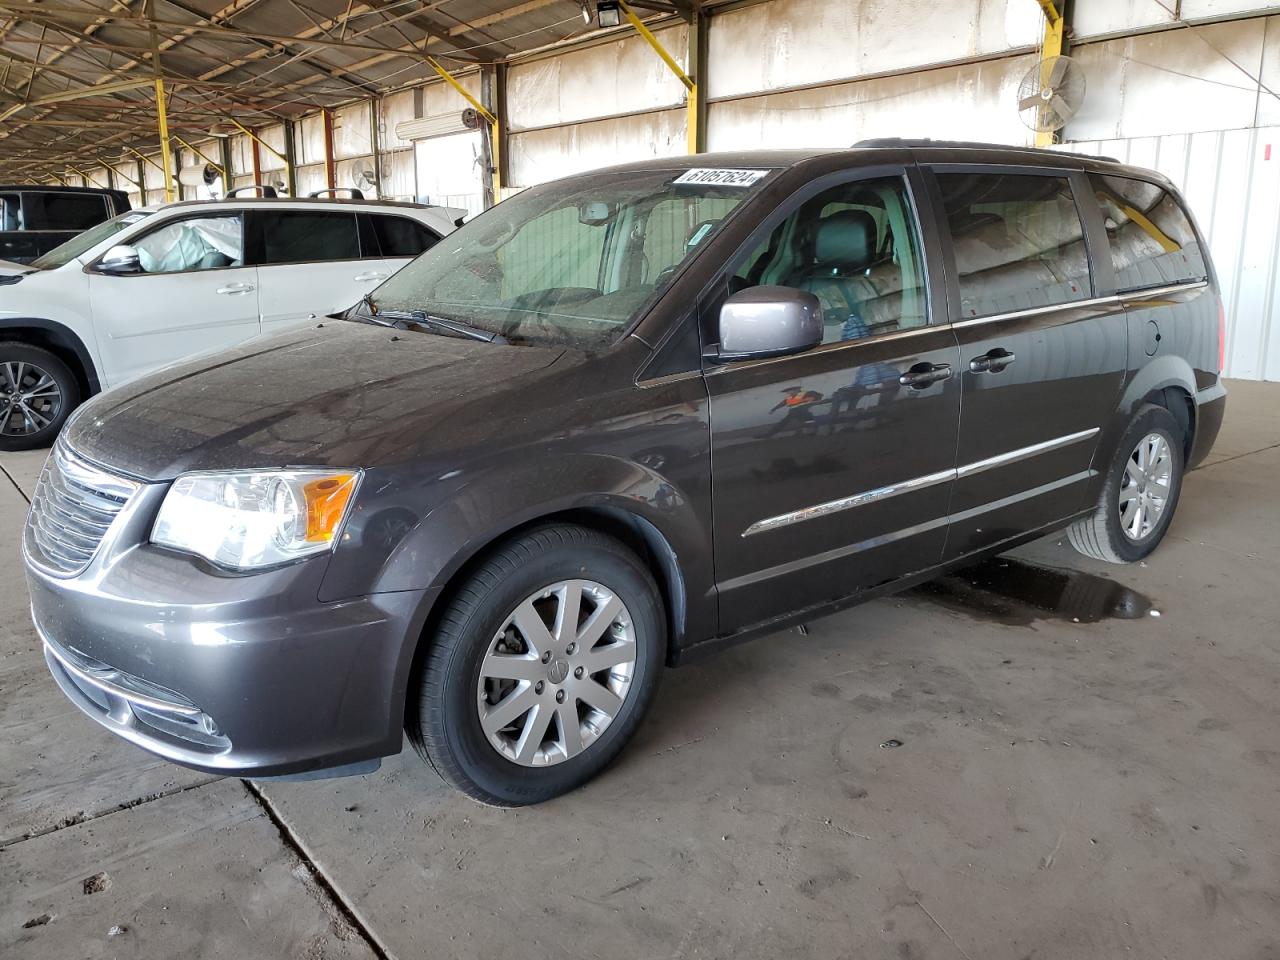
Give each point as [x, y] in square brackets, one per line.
[77, 76]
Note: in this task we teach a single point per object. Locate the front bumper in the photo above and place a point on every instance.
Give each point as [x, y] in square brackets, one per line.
[241, 675]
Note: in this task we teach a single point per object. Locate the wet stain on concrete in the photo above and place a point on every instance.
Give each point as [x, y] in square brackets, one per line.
[1017, 593]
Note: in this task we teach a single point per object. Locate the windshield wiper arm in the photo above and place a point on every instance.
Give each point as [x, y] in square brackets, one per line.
[453, 326]
[398, 318]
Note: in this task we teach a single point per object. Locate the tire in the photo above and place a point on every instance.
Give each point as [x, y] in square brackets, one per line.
[47, 391]
[478, 642]
[1103, 535]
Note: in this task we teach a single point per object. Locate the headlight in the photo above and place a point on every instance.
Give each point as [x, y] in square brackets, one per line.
[255, 519]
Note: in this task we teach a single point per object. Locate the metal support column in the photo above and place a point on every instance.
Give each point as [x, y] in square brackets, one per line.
[491, 148]
[330, 173]
[290, 177]
[697, 108]
[162, 109]
[375, 145]
[1053, 45]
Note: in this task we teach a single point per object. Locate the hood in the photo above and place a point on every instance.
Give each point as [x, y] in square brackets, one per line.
[341, 394]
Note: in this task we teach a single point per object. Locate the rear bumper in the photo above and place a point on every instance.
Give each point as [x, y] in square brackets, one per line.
[1211, 407]
[246, 676]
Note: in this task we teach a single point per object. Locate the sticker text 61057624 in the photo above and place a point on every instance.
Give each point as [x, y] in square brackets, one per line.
[721, 177]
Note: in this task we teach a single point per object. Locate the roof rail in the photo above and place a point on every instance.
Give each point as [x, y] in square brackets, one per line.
[266, 190]
[926, 142]
[354, 194]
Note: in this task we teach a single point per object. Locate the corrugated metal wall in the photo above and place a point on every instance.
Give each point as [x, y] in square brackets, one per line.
[1231, 179]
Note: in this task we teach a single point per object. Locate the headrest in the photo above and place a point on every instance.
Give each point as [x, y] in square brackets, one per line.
[846, 240]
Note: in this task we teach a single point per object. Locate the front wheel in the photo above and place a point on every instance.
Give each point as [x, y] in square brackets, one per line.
[542, 667]
[1140, 494]
[37, 394]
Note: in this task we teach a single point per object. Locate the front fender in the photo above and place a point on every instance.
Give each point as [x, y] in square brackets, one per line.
[391, 547]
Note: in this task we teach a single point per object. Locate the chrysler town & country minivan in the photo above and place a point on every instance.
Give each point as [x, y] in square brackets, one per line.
[614, 421]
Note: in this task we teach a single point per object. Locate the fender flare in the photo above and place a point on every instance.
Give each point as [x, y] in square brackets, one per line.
[62, 336]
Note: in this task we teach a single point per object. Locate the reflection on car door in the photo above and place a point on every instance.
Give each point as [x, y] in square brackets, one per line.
[194, 295]
[308, 265]
[833, 468]
[1042, 362]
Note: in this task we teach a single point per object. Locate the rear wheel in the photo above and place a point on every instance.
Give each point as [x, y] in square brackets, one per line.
[542, 667]
[1140, 494]
[37, 394]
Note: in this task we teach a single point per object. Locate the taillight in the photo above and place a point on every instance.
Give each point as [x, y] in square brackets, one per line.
[1222, 337]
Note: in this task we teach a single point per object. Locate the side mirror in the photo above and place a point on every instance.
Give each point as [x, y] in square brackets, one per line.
[769, 322]
[121, 258]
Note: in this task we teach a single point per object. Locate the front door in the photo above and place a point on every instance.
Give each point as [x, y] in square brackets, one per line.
[193, 295]
[832, 469]
[1042, 359]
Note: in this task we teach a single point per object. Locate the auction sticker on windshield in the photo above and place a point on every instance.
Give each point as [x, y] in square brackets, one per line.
[722, 178]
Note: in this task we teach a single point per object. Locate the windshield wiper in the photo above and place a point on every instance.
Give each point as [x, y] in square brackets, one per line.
[398, 318]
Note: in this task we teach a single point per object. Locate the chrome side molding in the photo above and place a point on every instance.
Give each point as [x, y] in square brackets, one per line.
[916, 483]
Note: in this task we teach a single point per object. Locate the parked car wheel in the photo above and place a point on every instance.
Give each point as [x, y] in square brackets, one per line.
[1140, 495]
[37, 394]
[542, 667]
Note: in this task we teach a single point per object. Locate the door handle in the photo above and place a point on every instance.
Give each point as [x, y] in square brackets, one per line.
[992, 362]
[231, 289]
[923, 375]
[371, 275]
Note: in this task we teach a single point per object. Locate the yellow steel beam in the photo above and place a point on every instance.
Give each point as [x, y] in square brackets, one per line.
[257, 139]
[485, 114]
[145, 159]
[201, 154]
[87, 177]
[1050, 47]
[688, 81]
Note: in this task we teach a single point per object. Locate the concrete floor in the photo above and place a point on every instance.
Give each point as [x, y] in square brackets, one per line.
[1062, 789]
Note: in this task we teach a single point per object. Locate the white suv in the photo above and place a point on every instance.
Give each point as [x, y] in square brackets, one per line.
[165, 282]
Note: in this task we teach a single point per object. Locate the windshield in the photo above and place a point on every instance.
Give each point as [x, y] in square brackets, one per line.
[572, 262]
[64, 253]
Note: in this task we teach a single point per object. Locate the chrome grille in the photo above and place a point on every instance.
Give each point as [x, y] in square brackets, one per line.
[74, 505]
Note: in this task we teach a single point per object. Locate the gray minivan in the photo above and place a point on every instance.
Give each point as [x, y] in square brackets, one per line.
[614, 422]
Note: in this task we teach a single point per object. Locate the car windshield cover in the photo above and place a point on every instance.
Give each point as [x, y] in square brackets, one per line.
[574, 262]
[83, 242]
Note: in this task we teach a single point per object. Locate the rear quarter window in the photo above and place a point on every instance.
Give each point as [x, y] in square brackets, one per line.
[1150, 236]
[400, 236]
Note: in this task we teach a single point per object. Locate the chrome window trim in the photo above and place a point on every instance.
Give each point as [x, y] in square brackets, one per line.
[1115, 299]
[916, 483]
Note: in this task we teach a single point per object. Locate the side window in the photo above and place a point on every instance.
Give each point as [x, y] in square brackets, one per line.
[196, 243]
[1150, 236]
[401, 237]
[10, 211]
[64, 211]
[856, 248]
[301, 236]
[1018, 241]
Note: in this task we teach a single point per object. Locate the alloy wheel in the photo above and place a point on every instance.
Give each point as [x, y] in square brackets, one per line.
[1145, 486]
[30, 399]
[557, 673]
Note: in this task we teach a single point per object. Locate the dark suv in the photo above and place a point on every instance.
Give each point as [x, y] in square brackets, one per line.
[34, 220]
[613, 421]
